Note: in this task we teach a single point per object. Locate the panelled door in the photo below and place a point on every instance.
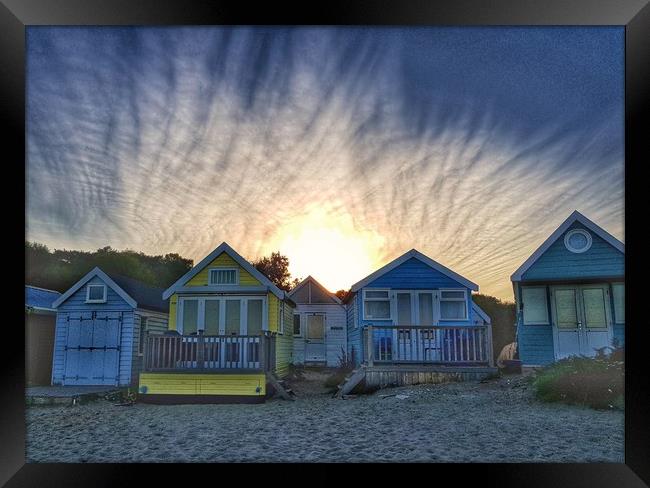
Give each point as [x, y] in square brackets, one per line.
[315, 338]
[581, 319]
[415, 308]
[92, 351]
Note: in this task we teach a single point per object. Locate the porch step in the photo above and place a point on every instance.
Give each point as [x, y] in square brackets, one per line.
[350, 382]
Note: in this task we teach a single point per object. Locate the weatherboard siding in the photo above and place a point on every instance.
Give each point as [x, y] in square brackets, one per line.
[284, 342]
[413, 274]
[77, 301]
[253, 384]
[223, 261]
[535, 344]
[173, 302]
[156, 324]
[335, 332]
[274, 312]
[601, 260]
[353, 331]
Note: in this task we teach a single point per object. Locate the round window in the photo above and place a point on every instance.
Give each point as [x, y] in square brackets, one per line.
[577, 240]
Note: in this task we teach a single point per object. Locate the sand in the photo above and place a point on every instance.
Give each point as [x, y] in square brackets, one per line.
[497, 421]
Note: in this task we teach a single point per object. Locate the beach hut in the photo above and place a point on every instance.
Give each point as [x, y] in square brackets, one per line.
[570, 294]
[416, 316]
[101, 325]
[40, 323]
[230, 333]
[319, 320]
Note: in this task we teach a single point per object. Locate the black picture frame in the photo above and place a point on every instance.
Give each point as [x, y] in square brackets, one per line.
[16, 15]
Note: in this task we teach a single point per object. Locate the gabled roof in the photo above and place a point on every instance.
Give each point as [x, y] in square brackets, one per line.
[105, 278]
[40, 298]
[413, 253]
[481, 313]
[224, 247]
[147, 297]
[311, 279]
[574, 217]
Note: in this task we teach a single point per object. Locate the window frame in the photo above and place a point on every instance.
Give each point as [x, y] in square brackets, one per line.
[464, 300]
[299, 334]
[387, 299]
[243, 318]
[210, 270]
[523, 310]
[96, 285]
[571, 233]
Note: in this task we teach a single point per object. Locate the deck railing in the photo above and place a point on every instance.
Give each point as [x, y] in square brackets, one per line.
[442, 345]
[208, 352]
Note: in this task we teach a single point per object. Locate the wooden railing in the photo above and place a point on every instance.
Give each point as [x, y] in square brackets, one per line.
[208, 352]
[443, 345]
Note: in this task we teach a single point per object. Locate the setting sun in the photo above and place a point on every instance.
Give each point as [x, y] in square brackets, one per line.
[325, 243]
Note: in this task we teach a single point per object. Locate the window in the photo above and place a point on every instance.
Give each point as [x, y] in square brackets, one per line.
[233, 315]
[618, 292]
[565, 308]
[254, 317]
[143, 335]
[190, 316]
[211, 322]
[296, 324]
[453, 305]
[96, 294]
[577, 240]
[224, 276]
[376, 305]
[534, 302]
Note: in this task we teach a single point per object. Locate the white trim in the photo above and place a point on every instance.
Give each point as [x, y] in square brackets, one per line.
[224, 268]
[105, 278]
[299, 315]
[574, 217]
[413, 253]
[387, 299]
[223, 247]
[567, 240]
[96, 285]
[313, 280]
[464, 300]
[243, 311]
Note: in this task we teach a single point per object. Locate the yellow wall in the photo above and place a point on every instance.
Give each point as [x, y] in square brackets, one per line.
[173, 300]
[223, 260]
[203, 384]
[274, 312]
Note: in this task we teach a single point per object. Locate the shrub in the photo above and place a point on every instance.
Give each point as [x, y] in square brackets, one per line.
[596, 382]
[345, 366]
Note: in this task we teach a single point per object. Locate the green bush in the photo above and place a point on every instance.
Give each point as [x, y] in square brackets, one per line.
[595, 382]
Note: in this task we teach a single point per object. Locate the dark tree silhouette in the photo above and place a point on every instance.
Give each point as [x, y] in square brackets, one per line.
[276, 268]
[60, 269]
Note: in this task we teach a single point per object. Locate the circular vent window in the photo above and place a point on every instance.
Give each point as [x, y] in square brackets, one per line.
[577, 240]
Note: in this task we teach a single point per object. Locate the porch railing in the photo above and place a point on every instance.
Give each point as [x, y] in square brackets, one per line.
[442, 345]
[208, 352]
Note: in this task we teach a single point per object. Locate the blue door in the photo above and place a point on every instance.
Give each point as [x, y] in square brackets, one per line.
[92, 354]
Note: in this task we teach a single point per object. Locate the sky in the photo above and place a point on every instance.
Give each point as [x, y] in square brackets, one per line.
[340, 147]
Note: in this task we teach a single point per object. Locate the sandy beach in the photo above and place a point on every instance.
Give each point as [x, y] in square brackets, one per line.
[496, 421]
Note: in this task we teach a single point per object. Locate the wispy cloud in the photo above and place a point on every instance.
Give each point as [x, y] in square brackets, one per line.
[470, 145]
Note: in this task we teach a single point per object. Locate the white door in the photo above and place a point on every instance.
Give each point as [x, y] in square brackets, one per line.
[596, 320]
[315, 338]
[403, 338]
[581, 319]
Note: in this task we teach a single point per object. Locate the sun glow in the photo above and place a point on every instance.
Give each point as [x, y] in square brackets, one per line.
[325, 244]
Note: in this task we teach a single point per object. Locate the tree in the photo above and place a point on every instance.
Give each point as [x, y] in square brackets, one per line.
[341, 294]
[276, 268]
[60, 269]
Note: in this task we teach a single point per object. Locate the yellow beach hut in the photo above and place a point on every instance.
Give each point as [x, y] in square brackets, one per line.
[230, 336]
